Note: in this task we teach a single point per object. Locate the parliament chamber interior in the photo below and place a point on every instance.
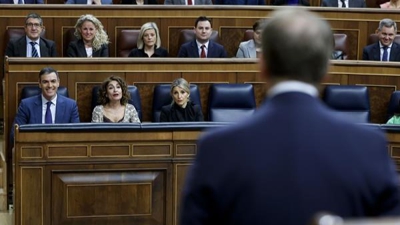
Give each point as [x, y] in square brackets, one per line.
[64, 174]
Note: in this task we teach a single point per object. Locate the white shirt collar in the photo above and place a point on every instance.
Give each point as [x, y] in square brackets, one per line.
[199, 44]
[293, 86]
[54, 100]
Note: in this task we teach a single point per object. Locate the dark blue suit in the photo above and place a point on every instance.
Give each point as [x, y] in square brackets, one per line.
[290, 160]
[373, 52]
[26, 2]
[190, 50]
[17, 48]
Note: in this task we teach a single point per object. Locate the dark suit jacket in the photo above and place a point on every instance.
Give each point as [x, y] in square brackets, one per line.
[26, 1]
[282, 166]
[133, 2]
[17, 48]
[77, 49]
[173, 113]
[190, 50]
[284, 2]
[372, 52]
[30, 111]
[352, 3]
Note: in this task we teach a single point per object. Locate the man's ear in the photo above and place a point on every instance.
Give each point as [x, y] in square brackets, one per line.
[40, 84]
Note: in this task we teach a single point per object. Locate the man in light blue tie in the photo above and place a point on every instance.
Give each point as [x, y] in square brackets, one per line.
[47, 107]
[32, 44]
[386, 49]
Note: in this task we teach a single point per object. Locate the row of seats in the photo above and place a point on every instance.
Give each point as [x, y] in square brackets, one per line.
[127, 39]
[231, 102]
[227, 102]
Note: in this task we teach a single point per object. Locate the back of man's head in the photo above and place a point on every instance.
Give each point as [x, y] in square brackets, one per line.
[296, 45]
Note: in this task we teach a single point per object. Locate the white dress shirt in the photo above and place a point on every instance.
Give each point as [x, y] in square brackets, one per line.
[52, 109]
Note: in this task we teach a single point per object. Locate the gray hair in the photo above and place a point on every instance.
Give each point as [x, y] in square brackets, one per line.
[144, 28]
[387, 23]
[288, 58]
[34, 16]
[101, 37]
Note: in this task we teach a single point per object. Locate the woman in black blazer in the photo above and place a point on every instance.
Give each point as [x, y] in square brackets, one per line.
[92, 40]
[149, 42]
[181, 109]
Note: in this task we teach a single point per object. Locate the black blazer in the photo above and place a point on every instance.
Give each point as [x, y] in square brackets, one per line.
[372, 52]
[158, 52]
[77, 49]
[171, 113]
[17, 48]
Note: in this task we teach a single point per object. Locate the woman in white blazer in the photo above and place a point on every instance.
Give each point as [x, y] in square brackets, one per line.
[251, 48]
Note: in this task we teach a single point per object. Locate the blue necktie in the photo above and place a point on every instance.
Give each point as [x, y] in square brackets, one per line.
[20, 2]
[47, 117]
[385, 53]
[34, 51]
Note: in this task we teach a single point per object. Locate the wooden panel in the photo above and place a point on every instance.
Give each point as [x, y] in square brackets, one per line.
[31, 195]
[67, 151]
[120, 197]
[31, 152]
[181, 170]
[109, 150]
[152, 149]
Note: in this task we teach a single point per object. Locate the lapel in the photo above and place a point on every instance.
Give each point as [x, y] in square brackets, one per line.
[211, 49]
[38, 110]
[393, 52]
[44, 51]
[376, 53]
[194, 49]
[81, 48]
[251, 50]
[60, 109]
[22, 46]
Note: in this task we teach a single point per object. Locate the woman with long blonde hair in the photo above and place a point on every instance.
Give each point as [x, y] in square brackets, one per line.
[92, 39]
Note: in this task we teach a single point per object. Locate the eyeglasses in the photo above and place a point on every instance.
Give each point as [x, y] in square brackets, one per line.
[36, 25]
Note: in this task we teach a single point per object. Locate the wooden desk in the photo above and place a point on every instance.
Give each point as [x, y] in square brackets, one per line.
[122, 174]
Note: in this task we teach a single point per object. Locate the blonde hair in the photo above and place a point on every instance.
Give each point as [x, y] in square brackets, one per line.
[100, 38]
[144, 28]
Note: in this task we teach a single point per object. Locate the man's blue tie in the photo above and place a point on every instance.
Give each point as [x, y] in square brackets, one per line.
[20, 2]
[385, 53]
[47, 117]
[34, 51]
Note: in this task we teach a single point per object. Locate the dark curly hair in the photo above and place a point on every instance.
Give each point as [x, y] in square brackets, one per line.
[103, 99]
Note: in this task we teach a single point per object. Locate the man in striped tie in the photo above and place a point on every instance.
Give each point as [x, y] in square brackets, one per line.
[32, 44]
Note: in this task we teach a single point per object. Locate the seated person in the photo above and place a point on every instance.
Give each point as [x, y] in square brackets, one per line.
[92, 39]
[392, 4]
[385, 49]
[251, 48]
[396, 117]
[48, 107]
[32, 45]
[181, 109]
[90, 2]
[149, 42]
[336, 54]
[344, 3]
[202, 46]
[114, 106]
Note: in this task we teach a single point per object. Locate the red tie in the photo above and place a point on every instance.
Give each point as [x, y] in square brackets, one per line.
[203, 52]
[190, 2]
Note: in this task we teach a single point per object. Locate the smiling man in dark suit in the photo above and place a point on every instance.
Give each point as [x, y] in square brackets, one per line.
[32, 45]
[202, 46]
[385, 49]
[294, 157]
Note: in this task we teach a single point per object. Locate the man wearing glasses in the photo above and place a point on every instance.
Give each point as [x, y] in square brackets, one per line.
[32, 45]
[385, 49]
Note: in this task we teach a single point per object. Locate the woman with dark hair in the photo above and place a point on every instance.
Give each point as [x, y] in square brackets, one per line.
[181, 109]
[114, 106]
[251, 48]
